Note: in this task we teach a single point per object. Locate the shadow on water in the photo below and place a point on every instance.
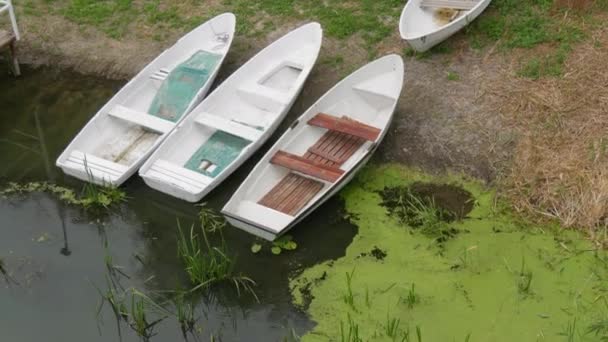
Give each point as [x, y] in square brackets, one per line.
[56, 252]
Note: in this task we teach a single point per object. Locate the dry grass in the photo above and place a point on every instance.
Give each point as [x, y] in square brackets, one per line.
[560, 167]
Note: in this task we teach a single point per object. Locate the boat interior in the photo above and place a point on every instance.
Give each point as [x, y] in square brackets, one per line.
[225, 129]
[142, 112]
[430, 15]
[321, 161]
[332, 137]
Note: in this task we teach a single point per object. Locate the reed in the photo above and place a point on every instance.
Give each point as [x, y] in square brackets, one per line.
[350, 333]
[208, 265]
[391, 328]
[184, 312]
[412, 298]
[569, 331]
[524, 284]
[95, 196]
[139, 320]
[209, 219]
[348, 297]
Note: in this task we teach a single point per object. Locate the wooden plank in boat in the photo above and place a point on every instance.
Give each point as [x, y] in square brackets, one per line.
[347, 126]
[339, 151]
[452, 4]
[291, 194]
[306, 166]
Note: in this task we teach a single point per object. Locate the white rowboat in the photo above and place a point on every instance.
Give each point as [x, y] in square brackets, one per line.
[128, 128]
[426, 23]
[235, 120]
[320, 153]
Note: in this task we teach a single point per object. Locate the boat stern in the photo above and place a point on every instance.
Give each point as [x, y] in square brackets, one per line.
[176, 181]
[257, 219]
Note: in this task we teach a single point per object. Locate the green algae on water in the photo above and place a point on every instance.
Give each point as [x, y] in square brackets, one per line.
[499, 280]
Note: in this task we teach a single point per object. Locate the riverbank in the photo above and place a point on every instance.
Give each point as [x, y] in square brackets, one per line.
[487, 102]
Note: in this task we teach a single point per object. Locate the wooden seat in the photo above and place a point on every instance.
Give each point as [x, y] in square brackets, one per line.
[291, 194]
[344, 125]
[465, 5]
[294, 191]
[307, 166]
[334, 148]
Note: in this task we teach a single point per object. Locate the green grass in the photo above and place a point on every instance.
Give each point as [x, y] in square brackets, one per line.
[111, 16]
[505, 25]
[526, 24]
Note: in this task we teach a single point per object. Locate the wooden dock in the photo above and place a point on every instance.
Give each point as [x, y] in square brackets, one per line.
[8, 45]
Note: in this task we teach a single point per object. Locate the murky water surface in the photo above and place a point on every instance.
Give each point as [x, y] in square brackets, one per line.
[55, 253]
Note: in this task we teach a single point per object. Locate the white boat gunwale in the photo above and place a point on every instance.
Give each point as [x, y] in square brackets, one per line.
[103, 117]
[352, 166]
[458, 21]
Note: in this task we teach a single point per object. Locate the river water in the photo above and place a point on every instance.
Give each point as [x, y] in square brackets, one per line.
[54, 253]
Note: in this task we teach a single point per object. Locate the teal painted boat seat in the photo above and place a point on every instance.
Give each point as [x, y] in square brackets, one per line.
[181, 85]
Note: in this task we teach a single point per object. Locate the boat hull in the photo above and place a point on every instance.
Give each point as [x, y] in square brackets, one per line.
[343, 128]
[115, 143]
[224, 133]
[424, 41]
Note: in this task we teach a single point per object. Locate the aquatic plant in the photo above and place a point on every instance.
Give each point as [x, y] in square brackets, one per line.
[284, 243]
[184, 312]
[207, 265]
[419, 333]
[116, 302]
[352, 334]
[209, 219]
[412, 298]
[92, 196]
[95, 196]
[569, 331]
[348, 297]
[114, 271]
[600, 329]
[418, 209]
[138, 316]
[391, 328]
[292, 336]
[4, 271]
[525, 279]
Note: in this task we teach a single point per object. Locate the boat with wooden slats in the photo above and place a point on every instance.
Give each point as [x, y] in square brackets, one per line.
[320, 153]
[128, 128]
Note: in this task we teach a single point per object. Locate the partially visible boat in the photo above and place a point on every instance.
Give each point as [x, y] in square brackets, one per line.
[426, 23]
[235, 120]
[320, 153]
[128, 128]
